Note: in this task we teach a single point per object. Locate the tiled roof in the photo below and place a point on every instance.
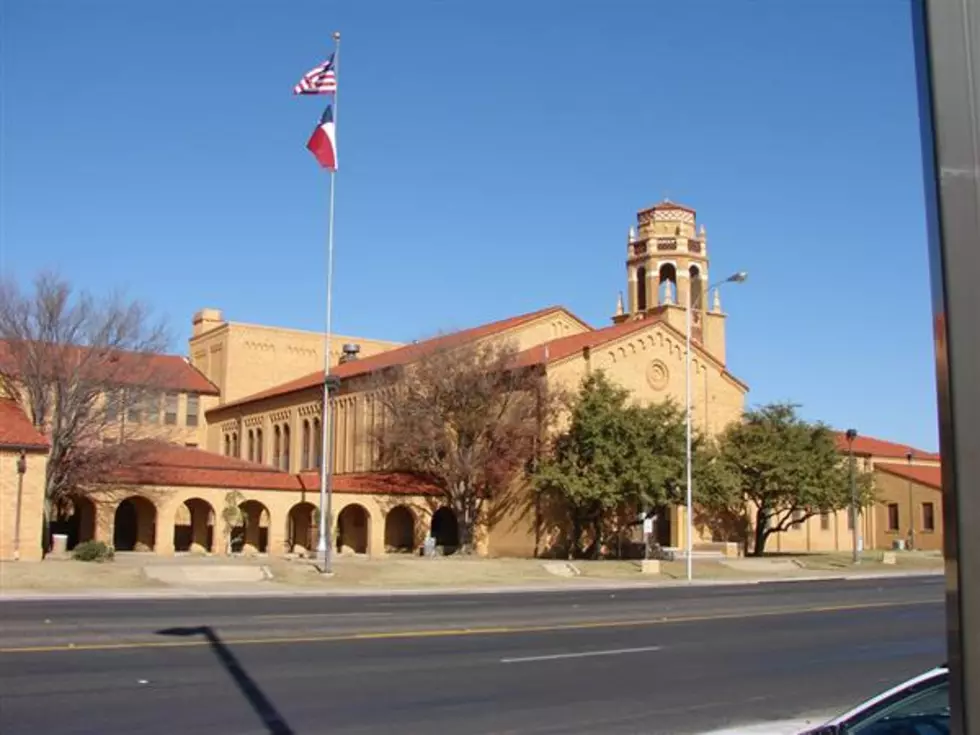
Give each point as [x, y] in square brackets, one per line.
[929, 476]
[868, 446]
[16, 430]
[392, 358]
[166, 372]
[665, 204]
[160, 463]
[559, 349]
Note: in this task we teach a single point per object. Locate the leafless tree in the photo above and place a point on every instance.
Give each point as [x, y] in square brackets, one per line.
[76, 363]
[468, 419]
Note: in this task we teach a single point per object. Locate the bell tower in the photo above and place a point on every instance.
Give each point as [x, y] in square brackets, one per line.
[667, 269]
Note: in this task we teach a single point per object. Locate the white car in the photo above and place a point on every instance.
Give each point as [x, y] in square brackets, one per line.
[919, 706]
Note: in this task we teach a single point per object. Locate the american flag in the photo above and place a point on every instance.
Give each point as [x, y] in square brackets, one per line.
[320, 80]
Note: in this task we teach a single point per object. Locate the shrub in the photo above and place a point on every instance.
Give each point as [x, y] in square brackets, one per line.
[93, 551]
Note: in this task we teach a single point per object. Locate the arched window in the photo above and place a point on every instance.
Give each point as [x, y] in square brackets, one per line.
[668, 282]
[251, 445]
[227, 445]
[306, 445]
[235, 448]
[318, 442]
[285, 447]
[697, 288]
[259, 446]
[641, 288]
[276, 446]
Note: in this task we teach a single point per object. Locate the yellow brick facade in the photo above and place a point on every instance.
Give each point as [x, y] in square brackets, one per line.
[31, 504]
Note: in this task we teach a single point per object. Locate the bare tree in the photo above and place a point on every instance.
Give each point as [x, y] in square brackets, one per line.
[468, 419]
[76, 363]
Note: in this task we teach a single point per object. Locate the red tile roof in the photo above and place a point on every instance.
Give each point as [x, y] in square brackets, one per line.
[928, 476]
[159, 463]
[166, 372]
[665, 204]
[868, 446]
[396, 357]
[559, 349]
[16, 430]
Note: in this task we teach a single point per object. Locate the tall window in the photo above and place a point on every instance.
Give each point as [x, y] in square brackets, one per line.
[251, 445]
[170, 403]
[234, 445]
[318, 439]
[825, 521]
[641, 288]
[112, 406]
[893, 517]
[307, 438]
[193, 408]
[285, 447]
[259, 446]
[928, 517]
[227, 445]
[152, 403]
[134, 412]
[276, 446]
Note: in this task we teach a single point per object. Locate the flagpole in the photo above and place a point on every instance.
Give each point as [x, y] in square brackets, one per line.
[324, 543]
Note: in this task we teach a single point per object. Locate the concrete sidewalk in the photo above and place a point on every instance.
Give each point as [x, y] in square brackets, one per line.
[274, 589]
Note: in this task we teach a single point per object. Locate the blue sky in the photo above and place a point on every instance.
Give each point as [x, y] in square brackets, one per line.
[493, 156]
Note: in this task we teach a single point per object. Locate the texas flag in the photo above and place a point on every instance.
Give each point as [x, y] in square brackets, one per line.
[323, 142]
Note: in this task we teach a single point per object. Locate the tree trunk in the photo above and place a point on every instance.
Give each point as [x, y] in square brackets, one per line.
[761, 533]
[597, 537]
[575, 542]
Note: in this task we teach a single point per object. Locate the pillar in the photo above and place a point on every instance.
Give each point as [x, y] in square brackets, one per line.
[163, 540]
[631, 288]
[653, 286]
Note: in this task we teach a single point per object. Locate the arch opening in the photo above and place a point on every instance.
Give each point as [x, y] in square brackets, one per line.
[445, 530]
[400, 530]
[303, 527]
[353, 530]
[252, 536]
[194, 526]
[134, 525]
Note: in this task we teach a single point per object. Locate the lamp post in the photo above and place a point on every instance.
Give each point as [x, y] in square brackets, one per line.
[908, 458]
[21, 471]
[691, 304]
[851, 436]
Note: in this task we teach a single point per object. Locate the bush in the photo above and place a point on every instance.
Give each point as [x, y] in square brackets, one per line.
[93, 551]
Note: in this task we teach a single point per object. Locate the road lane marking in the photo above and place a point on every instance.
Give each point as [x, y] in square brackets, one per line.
[459, 632]
[328, 615]
[579, 654]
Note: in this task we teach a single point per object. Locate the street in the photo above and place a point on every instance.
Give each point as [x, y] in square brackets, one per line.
[671, 660]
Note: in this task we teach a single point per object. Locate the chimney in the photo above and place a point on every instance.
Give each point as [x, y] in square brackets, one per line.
[205, 320]
[350, 352]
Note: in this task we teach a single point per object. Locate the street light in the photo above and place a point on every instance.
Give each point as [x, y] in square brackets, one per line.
[738, 277]
[21, 471]
[851, 436]
[908, 458]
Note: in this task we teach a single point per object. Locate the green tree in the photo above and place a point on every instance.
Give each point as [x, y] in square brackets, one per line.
[613, 456]
[774, 470]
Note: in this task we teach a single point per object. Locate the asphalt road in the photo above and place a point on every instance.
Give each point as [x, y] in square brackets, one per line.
[678, 660]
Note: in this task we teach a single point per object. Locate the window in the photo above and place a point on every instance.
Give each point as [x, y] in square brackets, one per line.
[924, 705]
[170, 409]
[893, 517]
[318, 438]
[259, 446]
[825, 521]
[134, 413]
[112, 406]
[285, 447]
[227, 445]
[192, 445]
[306, 445]
[251, 445]
[928, 517]
[235, 448]
[152, 404]
[276, 445]
[193, 408]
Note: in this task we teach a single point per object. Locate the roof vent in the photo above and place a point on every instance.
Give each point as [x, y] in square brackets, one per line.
[350, 352]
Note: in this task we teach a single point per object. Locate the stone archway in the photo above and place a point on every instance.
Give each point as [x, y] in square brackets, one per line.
[302, 527]
[134, 525]
[445, 529]
[400, 529]
[79, 526]
[194, 526]
[253, 535]
[353, 529]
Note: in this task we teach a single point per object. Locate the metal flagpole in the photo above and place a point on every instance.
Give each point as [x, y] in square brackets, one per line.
[324, 542]
[689, 531]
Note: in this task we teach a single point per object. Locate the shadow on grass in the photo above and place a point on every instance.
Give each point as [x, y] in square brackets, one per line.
[265, 709]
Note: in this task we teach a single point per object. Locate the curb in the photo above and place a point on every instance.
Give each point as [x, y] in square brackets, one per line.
[179, 593]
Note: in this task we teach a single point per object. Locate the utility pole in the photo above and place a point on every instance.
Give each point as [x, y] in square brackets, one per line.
[855, 551]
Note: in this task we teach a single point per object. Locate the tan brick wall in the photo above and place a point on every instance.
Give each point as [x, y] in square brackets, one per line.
[896, 490]
[32, 504]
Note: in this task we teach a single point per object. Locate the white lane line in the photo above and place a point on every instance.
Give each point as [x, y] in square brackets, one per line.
[328, 615]
[580, 654]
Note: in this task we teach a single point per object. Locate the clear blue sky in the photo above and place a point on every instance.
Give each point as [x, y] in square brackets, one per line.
[493, 155]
